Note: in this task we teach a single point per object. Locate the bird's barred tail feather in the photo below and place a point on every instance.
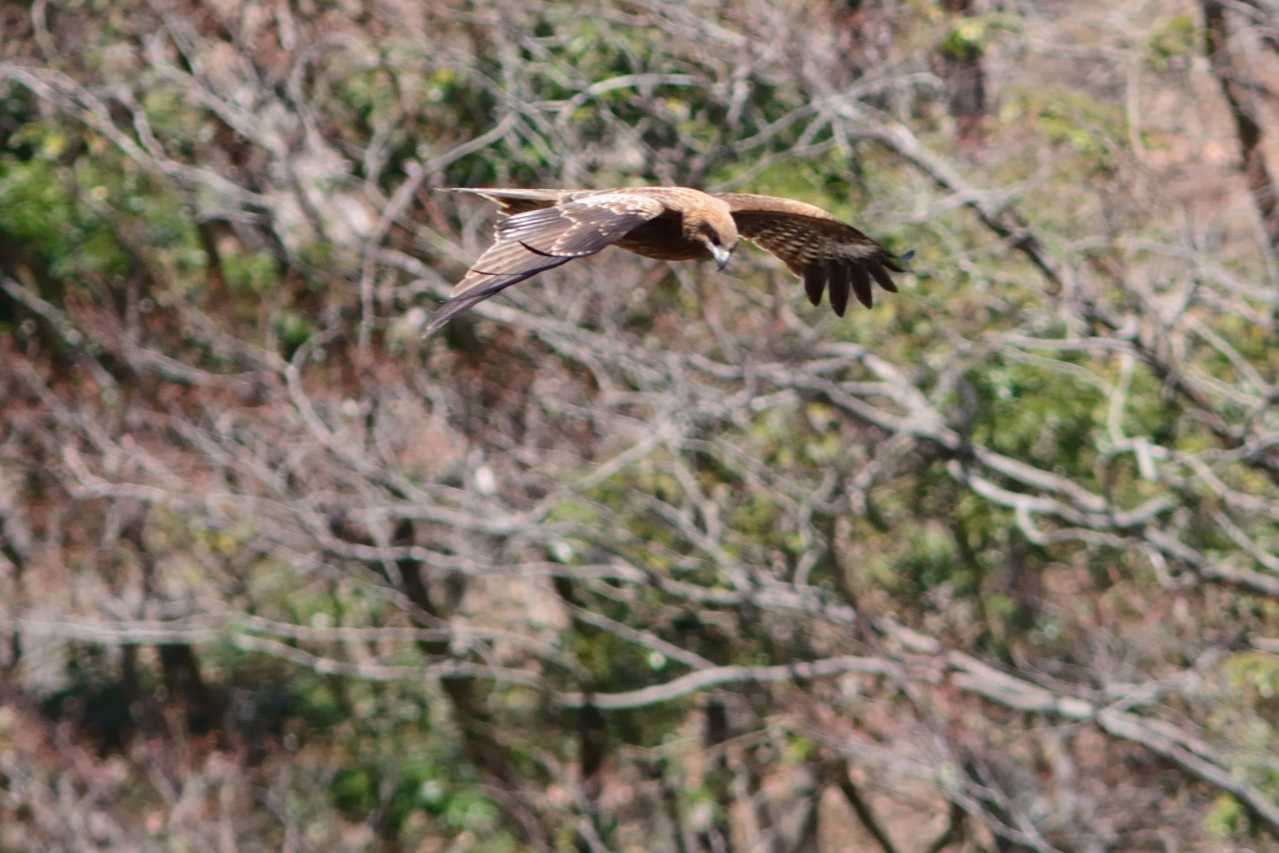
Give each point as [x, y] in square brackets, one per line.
[513, 201]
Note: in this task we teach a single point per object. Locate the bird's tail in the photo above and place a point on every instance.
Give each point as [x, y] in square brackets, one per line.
[512, 201]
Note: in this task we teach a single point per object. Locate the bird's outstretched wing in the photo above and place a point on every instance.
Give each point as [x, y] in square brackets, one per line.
[817, 247]
[527, 243]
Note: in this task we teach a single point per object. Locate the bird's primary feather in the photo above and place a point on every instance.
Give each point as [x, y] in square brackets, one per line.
[825, 252]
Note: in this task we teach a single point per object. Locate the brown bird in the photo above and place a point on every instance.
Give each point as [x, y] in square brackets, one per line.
[541, 229]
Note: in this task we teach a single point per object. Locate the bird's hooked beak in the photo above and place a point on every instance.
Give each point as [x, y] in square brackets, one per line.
[721, 256]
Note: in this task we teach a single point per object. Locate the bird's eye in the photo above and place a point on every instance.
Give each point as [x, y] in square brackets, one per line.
[710, 234]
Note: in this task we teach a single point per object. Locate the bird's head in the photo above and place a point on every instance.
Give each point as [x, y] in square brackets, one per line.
[714, 228]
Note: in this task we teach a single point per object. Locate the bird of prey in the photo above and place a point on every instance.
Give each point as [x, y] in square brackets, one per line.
[541, 229]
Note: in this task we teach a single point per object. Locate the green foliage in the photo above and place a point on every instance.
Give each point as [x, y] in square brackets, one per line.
[930, 561]
[42, 211]
[173, 117]
[354, 791]
[1021, 413]
[252, 273]
[965, 39]
[1228, 818]
[1173, 43]
[1090, 130]
[970, 36]
[87, 215]
[400, 790]
[293, 330]
[1256, 673]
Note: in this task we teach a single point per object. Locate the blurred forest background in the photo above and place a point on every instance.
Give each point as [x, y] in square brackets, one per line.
[638, 556]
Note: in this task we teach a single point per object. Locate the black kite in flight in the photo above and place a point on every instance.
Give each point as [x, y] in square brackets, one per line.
[541, 229]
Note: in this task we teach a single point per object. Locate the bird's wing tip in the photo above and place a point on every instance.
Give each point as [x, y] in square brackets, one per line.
[896, 263]
[439, 319]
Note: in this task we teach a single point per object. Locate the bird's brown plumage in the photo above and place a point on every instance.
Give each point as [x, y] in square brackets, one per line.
[542, 229]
